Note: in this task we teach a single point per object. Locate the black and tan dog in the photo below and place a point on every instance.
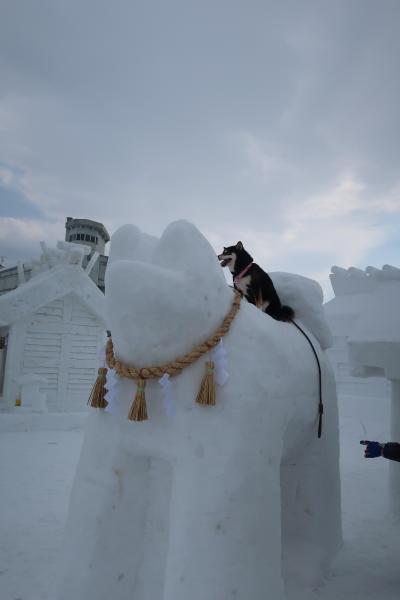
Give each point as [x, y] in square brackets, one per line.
[254, 283]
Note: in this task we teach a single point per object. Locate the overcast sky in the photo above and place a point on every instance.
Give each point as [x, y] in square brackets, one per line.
[276, 123]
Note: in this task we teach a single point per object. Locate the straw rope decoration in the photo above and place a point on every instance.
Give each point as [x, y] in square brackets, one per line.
[206, 395]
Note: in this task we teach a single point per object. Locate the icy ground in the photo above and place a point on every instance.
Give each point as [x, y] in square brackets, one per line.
[36, 471]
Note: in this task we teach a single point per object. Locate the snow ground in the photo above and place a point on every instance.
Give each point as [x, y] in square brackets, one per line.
[367, 568]
[36, 472]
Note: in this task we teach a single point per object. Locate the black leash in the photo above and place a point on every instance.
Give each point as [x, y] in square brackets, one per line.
[320, 404]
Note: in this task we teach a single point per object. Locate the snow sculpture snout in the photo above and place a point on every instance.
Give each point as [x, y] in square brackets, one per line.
[218, 501]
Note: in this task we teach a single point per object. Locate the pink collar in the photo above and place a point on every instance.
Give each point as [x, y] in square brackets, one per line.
[242, 273]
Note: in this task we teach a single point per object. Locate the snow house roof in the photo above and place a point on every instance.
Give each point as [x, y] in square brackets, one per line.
[50, 285]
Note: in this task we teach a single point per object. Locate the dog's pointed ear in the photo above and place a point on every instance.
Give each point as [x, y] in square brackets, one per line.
[239, 246]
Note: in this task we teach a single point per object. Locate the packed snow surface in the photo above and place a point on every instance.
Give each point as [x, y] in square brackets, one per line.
[37, 467]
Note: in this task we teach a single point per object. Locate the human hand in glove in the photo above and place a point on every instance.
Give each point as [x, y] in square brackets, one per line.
[372, 449]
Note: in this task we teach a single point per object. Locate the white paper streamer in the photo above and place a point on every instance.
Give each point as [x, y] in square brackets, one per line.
[166, 385]
[218, 355]
[111, 383]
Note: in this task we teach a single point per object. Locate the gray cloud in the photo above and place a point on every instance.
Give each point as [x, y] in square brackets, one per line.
[233, 116]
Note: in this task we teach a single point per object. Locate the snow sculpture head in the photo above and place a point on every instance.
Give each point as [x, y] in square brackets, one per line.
[217, 502]
[177, 294]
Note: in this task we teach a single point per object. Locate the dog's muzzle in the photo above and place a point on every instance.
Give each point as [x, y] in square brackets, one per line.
[224, 261]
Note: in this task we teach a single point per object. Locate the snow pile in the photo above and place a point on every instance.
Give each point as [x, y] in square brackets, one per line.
[305, 296]
[213, 502]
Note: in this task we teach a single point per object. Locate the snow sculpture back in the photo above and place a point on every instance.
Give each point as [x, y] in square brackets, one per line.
[217, 502]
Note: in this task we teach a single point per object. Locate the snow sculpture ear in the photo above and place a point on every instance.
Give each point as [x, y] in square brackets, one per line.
[239, 246]
[183, 248]
[129, 243]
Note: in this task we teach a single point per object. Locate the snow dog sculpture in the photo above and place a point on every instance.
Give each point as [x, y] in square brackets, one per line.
[238, 501]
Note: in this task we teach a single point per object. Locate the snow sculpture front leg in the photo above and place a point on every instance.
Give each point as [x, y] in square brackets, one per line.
[225, 534]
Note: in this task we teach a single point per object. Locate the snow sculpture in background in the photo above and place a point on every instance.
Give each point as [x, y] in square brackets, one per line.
[53, 322]
[374, 340]
[232, 501]
[66, 253]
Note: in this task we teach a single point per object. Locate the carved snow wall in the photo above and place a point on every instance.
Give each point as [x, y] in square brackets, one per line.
[352, 288]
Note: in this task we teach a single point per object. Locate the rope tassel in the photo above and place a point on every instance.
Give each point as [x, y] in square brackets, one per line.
[206, 395]
[97, 395]
[138, 411]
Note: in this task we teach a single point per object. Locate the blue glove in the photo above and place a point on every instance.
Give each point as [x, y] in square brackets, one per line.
[373, 449]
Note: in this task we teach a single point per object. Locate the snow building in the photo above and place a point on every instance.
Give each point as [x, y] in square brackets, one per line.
[354, 291]
[374, 350]
[92, 234]
[79, 231]
[51, 329]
